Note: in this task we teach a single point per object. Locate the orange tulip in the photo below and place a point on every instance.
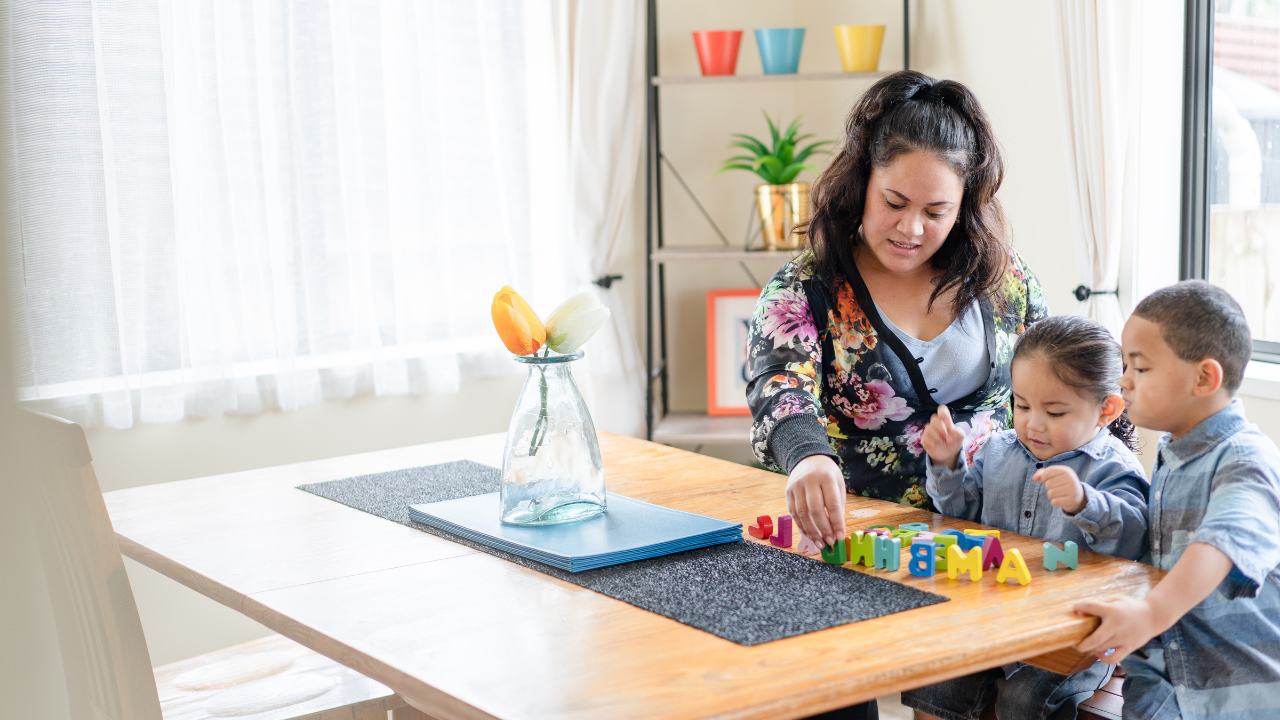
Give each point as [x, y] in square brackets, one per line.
[517, 324]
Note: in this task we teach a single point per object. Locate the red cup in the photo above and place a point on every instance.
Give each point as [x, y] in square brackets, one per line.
[717, 50]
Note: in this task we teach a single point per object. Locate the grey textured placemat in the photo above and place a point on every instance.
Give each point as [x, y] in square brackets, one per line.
[743, 592]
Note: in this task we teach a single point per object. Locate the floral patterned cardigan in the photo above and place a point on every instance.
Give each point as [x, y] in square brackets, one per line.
[828, 377]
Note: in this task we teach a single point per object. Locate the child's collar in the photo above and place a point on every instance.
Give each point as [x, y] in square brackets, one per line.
[1204, 437]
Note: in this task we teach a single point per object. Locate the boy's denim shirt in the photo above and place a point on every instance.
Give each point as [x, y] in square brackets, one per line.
[1217, 484]
[997, 490]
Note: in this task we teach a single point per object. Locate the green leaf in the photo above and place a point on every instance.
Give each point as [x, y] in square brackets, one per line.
[791, 129]
[749, 143]
[773, 131]
[735, 166]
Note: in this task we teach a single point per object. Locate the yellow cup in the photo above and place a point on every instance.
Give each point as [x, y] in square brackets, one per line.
[859, 46]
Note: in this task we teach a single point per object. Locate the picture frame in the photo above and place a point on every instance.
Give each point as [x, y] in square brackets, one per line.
[728, 324]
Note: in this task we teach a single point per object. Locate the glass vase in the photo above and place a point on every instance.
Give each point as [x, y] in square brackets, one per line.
[551, 468]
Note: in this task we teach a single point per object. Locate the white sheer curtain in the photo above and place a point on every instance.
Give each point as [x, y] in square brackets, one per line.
[1098, 50]
[235, 206]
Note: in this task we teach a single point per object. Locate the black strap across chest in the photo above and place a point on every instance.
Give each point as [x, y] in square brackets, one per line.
[819, 306]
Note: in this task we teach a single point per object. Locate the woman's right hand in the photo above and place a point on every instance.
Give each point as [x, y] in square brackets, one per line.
[942, 439]
[815, 498]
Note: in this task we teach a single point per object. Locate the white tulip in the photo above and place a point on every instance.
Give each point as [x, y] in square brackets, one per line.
[574, 322]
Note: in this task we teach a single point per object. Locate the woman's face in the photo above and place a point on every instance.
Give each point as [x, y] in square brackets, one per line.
[910, 208]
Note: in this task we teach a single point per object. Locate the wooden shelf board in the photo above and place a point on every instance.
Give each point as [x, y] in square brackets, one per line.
[715, 252]
[686, 428]
[791, 77]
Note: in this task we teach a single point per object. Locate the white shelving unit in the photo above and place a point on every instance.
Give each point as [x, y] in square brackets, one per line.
[697, 428]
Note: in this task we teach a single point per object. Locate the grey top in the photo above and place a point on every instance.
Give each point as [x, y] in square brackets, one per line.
[956, 362]
[997, 490]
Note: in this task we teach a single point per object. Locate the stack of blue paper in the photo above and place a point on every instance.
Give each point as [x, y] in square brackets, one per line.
[630, 530]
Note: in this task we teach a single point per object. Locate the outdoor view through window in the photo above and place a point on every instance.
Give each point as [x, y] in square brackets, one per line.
[1244, 160]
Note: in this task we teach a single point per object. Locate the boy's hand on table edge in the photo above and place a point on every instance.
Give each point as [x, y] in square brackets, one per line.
[1064, 488]
[1127, 624]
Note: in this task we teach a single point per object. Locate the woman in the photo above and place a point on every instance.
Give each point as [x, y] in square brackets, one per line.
[910, 298]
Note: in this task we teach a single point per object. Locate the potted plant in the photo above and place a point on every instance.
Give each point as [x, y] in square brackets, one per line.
[783, 203]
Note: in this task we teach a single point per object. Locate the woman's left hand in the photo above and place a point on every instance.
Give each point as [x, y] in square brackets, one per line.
[1064, 488]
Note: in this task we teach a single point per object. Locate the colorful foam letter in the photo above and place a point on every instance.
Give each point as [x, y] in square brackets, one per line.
[968, 542]
[836, 554]
[958, 562]
[862, 548]
[924, 535]
[762, 529]
[888, 553]
[783, 538]
[992, 553]
[807, 546]
[1069, 555]
[1014, 568]
[889, 528]
[943, 541]
[951, 531]
[923, 557]
[918, 527]
[992, 533]
[905, 535]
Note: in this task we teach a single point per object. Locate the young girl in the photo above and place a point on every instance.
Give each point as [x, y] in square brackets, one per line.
[1066, 471]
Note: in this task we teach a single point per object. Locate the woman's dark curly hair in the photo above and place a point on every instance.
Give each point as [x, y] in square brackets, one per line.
[1082, 354]
[908, 112]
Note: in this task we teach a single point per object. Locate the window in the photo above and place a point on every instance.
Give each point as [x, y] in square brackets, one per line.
[1231, 158]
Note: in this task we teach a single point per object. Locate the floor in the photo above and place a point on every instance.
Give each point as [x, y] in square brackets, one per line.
[892, 709]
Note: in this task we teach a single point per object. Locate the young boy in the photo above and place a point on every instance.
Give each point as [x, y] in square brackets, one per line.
[1205, 642]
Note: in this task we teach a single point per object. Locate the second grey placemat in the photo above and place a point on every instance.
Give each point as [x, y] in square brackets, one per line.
[742, 592]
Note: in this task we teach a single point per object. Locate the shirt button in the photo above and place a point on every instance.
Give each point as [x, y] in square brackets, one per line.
[1173, 645]
[1182, 688]
[1156, 546]
[1156, 495]
[1039, 465]
[1026, 513]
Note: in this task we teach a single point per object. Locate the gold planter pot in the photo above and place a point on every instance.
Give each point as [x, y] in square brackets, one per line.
[782, 209]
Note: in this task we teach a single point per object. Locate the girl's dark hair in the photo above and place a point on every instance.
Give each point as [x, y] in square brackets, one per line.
[1081, 353]
[908, 112]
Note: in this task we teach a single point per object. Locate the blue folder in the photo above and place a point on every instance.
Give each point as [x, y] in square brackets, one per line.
[630, 530]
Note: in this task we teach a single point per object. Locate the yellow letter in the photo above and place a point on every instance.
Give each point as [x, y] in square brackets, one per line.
[958, 562]
[1014, 567]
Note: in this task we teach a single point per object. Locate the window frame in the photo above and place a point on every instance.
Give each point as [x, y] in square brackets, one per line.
[1197, 113]
[1197, 118]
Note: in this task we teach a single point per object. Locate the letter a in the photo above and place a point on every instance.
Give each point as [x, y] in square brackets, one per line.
[992, 553]
[1014, 568]
[959, 561]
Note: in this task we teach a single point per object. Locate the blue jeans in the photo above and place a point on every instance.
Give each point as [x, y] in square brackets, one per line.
[1026, 694]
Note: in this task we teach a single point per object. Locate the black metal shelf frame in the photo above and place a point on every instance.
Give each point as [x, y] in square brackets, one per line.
[657, 373]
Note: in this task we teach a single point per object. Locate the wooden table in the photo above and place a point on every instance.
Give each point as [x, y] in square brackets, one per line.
[464, 634]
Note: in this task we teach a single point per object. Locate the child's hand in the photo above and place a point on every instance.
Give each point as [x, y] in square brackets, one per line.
[1064, 488]
[942, 439]
[1127, 624]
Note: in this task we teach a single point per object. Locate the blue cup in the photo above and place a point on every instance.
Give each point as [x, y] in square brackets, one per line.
[780, 49]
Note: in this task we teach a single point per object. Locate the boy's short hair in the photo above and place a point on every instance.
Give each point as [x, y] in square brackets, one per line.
[1200, 321]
